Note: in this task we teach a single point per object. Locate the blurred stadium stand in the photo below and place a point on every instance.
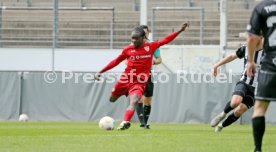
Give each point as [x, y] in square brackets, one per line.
[29, 27]
[26, 40]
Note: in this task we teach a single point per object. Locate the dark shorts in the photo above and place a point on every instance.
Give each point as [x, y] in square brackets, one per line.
[149, 88]
[266, 86]
[247, 92]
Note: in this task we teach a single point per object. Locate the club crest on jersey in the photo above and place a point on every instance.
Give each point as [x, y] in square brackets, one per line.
[146, 48]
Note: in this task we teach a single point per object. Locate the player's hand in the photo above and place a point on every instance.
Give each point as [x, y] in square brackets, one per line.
[97, 76]
[153, 61]
[215, 71]
[184, 26]
[250, 69]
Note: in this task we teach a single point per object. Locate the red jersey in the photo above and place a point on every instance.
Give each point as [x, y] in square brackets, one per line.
[139, 59]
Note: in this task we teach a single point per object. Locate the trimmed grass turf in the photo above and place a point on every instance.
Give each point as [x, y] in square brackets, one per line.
[87, 137]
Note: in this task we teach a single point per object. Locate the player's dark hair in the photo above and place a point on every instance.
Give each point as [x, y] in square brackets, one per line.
[145, 27]
[261, 33]
[140, 30]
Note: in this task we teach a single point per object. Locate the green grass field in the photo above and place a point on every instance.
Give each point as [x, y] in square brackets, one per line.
[87, 137]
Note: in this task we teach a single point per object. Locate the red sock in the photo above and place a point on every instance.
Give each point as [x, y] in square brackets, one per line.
[128, 115]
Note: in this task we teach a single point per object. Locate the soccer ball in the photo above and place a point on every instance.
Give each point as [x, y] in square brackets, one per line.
[107, 123]
[23, 118]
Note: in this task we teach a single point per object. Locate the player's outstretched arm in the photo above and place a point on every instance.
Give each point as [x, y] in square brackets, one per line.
[173, 35]
[97, 76]
[183, 27]
[110, 65]
[252, 42]
[223, 61]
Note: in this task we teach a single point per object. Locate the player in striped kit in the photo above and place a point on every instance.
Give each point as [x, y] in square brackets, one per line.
[243, 95]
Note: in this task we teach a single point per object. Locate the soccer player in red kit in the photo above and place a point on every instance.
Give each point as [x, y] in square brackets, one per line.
[133, 80]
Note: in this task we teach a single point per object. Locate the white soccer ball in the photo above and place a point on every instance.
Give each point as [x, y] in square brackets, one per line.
[23, 118]
[107, 123]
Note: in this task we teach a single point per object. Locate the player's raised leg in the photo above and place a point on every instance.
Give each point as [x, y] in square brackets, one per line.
[235, 101]
[113, 98]
[242, 108]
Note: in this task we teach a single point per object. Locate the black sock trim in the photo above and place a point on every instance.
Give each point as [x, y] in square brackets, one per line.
[147, 110]
[140, 113]
[228, 107]
[258, 125]
[229, 120]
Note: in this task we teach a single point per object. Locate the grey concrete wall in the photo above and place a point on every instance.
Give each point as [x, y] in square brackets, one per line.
[174, 101]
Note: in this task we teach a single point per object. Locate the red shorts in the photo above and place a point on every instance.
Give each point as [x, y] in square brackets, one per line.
[125, 88]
